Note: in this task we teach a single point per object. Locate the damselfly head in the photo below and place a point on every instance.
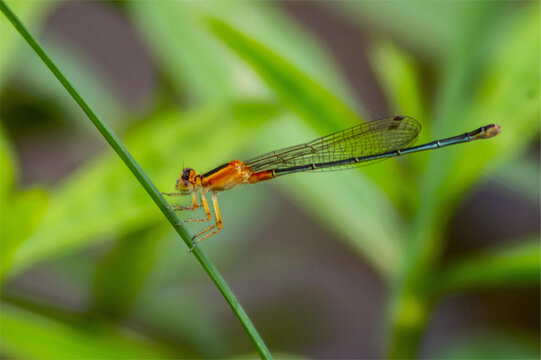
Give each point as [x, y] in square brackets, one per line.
[186, 182]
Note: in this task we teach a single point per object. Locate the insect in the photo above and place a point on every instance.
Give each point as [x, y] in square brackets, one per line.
[360, 145]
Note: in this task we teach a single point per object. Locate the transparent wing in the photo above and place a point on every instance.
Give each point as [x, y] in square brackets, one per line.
[365, 139]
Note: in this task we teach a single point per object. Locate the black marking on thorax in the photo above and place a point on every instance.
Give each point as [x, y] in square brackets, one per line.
[215, 170]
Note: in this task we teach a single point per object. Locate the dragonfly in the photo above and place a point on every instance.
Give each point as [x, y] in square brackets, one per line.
[363, 144]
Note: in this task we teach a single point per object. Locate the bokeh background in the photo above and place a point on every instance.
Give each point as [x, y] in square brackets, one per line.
[433, 255]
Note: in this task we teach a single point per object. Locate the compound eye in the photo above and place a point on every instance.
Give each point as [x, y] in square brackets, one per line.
[186, 174]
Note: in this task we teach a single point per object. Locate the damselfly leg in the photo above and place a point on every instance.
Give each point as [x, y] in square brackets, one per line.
[194, 205]
[211, 230]
[205, 206]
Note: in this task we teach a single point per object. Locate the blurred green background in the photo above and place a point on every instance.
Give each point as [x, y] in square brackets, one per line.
[434, 255]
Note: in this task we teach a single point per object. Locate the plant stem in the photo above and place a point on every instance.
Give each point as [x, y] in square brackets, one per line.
[140, 175]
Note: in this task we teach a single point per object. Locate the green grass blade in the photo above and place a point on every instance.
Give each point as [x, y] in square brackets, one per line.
[118, 282]
[26, 211]
[316, 104]
[32, 335]
[522, 176]
[405, 20]
[32, 13]
[399, 76]
[153, 192]
[183, 51]
[489, 344]
[517, 266]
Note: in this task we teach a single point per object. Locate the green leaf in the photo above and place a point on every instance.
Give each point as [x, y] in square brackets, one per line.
[519, 265]
[188, 316]
[268, 24]
[30, 77]
[26, 210]
[425, 26]
[496, 345]
[122, 273]
[183, 49]
[32, 13]
[30, 335]
[7, 166]
[400, 78]
[399, 75]
[522, 176]
[357, 211]
[318, 106]
[23, 210]
[197, 64]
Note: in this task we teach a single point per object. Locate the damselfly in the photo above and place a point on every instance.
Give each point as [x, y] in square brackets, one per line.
[360, 145]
